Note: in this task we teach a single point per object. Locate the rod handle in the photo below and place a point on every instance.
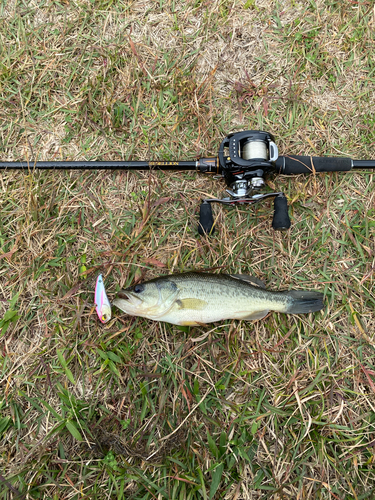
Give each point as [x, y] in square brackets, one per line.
[292, 165]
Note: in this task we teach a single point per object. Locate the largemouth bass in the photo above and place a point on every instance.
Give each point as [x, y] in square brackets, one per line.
[195, 298]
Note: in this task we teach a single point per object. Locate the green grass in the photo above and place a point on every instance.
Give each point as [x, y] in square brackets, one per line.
[280, 408]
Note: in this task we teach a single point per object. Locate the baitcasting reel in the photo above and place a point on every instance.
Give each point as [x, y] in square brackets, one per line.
[244, 159]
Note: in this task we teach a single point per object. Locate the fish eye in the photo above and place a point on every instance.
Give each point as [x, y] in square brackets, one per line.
[139, 288]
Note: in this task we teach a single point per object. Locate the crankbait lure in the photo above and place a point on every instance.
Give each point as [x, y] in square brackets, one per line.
[103, 306]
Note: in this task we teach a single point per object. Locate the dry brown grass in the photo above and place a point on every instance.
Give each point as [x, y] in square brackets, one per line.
[280, 408]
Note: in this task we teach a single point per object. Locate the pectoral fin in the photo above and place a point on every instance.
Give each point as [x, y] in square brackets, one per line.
[256, 315]
[193, 304]
[250, 279]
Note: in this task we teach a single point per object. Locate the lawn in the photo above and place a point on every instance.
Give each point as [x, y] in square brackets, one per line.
[281, 408]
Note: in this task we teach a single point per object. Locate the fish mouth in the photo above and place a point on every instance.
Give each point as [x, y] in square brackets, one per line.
[130, 298]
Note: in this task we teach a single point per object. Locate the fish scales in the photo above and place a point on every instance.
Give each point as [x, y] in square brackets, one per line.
[195, 298]
[208, 287]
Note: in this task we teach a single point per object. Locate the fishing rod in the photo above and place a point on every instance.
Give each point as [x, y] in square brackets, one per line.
[244, 160]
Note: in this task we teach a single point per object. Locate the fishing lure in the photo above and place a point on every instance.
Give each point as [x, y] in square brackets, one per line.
[103, 306]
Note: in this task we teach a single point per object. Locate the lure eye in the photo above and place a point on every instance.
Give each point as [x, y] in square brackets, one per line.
[104, 317]
[139, 288]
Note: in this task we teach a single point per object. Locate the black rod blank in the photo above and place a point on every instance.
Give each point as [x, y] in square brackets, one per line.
[363, 164]
[100, 165]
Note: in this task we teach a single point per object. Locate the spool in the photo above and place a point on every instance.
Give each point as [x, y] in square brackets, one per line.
[255, 150]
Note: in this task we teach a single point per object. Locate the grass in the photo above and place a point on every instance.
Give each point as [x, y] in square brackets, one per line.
[280, 408]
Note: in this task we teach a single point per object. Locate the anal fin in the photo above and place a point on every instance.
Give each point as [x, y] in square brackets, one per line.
[256, 315]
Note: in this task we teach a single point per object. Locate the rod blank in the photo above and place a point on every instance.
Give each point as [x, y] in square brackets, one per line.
[99, 165]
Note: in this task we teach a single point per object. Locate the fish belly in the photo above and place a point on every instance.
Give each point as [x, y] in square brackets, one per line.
[189, 317]
[191, 312]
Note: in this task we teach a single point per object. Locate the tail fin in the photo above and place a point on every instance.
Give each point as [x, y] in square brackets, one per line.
[302, 302]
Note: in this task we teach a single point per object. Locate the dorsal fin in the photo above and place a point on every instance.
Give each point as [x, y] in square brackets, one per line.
[250, 279]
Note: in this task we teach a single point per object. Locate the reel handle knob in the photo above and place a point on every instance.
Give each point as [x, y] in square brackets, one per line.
[281, 221]
[206, 219]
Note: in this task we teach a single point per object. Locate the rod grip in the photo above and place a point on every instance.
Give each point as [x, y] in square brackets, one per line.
[206, 219]
[293, 164]
[281, 221]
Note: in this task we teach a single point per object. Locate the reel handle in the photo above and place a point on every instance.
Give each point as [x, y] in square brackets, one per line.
[281, 220]
[206, 219]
